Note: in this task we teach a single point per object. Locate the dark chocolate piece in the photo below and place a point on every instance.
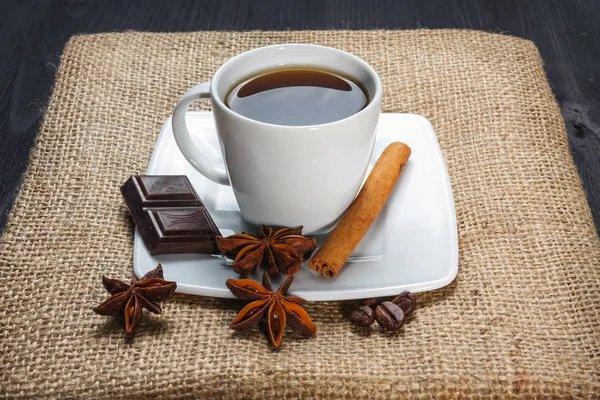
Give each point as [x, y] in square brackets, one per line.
[169, 214]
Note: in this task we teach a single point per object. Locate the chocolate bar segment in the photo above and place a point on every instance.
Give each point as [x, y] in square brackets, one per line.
[160, 189]
[169, 214]
[145, 191]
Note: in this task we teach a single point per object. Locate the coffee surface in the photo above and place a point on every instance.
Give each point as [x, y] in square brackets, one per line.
[297, 97]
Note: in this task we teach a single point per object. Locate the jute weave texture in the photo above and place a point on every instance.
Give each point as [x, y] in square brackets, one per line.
[521, 319]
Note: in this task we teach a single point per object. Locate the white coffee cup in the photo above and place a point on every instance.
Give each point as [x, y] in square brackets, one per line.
[285, 175]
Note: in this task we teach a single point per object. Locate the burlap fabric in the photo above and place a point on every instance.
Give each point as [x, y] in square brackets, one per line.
[521, 319]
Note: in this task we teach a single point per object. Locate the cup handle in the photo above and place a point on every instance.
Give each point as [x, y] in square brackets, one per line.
[201, 158]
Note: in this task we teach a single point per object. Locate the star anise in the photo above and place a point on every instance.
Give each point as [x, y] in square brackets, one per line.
[280, 309]
[129, 299]
[278, 251]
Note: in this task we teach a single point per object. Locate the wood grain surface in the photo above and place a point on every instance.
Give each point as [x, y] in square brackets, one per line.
[33, 33]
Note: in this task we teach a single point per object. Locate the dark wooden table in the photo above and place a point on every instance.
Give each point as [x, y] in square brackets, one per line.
[33, 33]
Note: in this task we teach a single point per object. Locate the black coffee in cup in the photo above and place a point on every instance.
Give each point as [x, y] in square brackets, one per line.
[297, 97]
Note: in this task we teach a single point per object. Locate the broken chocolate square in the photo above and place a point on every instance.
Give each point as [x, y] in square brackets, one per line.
[169, 214]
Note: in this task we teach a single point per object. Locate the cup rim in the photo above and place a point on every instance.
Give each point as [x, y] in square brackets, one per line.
[375, 101]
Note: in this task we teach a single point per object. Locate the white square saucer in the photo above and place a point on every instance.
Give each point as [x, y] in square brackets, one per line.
[413, 244]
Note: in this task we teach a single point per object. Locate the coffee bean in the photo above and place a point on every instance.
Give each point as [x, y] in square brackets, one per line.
[389, 316]
[406, 301]
[363, 316]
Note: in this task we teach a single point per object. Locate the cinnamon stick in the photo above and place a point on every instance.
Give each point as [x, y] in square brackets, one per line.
[354, 224]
